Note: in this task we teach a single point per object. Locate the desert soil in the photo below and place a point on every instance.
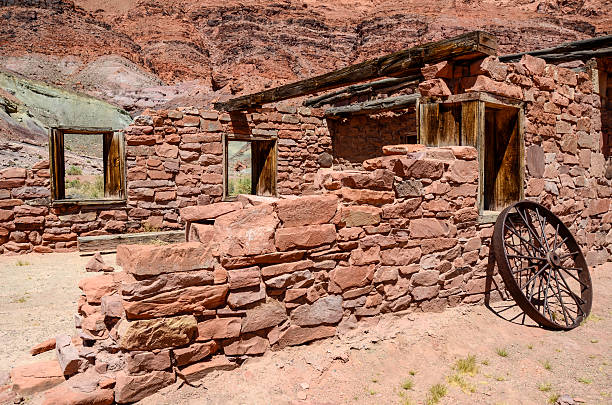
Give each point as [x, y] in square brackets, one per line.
[395, 359]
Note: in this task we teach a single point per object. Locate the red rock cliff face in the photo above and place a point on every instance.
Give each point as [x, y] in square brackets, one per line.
[236, 47]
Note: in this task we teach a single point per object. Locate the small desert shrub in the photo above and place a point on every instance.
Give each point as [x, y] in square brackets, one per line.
[460, 382]
[547, 365]
[591, 319]
[85, 189]
[407, 384]
[585, 380]
[553, 398]
[502, 352]
[241, 185]
[74, 171]
[545, 387]
[467, 365]
[436, 392]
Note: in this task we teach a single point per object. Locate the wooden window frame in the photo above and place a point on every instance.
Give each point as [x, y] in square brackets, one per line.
[460, 120]
[256, 183]
[114, 174]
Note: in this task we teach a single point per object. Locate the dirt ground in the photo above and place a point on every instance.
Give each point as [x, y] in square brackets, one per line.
[396, 359]
[38, 300]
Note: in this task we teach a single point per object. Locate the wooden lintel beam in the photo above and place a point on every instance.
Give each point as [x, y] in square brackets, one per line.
[467, 46]
[374, 106]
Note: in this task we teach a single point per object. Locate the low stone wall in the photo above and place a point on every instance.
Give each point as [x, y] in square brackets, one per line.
[279, 272]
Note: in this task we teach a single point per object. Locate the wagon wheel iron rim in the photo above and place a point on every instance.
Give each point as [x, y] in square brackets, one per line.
[542, 266]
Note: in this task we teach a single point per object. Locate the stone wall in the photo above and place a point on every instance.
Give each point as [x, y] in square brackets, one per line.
[175, 157]
[174, 160]
[565, 164]
[402, 233]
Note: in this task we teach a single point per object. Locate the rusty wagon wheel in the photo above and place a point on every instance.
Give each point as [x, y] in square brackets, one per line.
[542, 266]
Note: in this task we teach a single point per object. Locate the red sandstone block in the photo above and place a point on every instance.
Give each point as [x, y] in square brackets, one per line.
[305, 237]
[489, 66]
[211, 211]
[307, 210]
[464, 152]
[140, 140]
[419, 168]
[533, 65]
[360, 215]
[442, 69]
[67, 395]
[167, 151]
[434, 88]
[483, 83]
[251, 346]
[6, 215]
[353, 276]
[96, 287]
[247, 232]
[147, 260]
[284, 268]
[428, 228]
[401, 149]
[400, 256]
[296, 335]
[41, 164]
[11, 183]
[36, 377]
[242, 278]
[194, 352]
[29, 222]
[220, 328]
[13, 173]
[130, 388]
[367, 196]
[461, 171]
[198, 371]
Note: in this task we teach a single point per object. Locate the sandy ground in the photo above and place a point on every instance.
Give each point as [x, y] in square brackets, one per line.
[38, 298]
[392, 360]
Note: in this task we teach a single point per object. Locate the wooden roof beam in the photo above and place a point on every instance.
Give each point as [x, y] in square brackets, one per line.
[374, 106]
[583, 49]
[473, 45]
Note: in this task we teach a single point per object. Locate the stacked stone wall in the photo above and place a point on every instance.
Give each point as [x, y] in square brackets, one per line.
[564, 162]
[174, 160]
[401, 234]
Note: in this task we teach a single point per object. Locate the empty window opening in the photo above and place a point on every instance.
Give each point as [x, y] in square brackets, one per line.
[250, 167]
[83, 166]
[359, 137]
[502, 159]
[87, 165]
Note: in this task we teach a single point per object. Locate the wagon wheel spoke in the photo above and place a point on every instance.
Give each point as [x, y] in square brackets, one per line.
[542, 265]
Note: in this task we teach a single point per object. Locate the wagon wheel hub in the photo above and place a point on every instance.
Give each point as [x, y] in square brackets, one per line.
[554, 259]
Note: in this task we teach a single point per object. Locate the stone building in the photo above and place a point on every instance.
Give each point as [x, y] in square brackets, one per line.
[369, 205]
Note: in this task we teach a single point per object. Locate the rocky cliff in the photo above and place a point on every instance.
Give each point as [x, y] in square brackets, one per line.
[139, 54]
